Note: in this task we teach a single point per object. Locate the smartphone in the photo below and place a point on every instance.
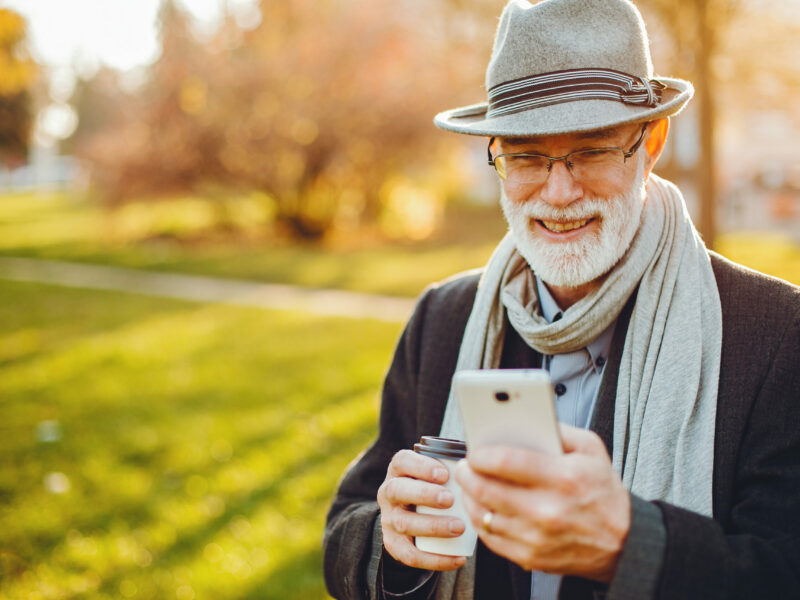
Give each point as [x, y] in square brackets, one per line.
[509, 407]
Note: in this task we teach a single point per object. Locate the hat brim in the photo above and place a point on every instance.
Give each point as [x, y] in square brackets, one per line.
[568, 117]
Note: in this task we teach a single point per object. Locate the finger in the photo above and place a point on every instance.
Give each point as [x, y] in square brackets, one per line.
[477, 514]
[506, 537]
[514, 464]
[407, 463]
[581, 441]
[532, 557]
[490, 493]
[411, 523]
[402, 549]
[499, 523]
[513, 550]
[406, 491]
[526, 517]
[497, 536]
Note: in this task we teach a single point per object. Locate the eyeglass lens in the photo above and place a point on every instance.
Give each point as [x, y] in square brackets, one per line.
[584, 164]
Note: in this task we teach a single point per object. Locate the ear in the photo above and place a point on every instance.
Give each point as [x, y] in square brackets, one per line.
[654, 143]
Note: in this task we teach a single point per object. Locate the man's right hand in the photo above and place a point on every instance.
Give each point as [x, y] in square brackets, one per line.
[416, 480]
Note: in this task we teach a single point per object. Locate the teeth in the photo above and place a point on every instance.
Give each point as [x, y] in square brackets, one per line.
[561, 227]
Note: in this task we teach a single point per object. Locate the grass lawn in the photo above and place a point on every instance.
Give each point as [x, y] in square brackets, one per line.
[161, 449]
[183, 235]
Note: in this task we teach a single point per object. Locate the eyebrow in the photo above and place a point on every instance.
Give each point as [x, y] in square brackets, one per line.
[597, 134]
[521, 141]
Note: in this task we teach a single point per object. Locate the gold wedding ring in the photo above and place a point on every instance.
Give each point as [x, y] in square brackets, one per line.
[487, 521]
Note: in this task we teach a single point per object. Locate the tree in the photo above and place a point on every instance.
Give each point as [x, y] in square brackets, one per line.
[317, 107]
[697, 28]
[344, 97]
[17, 72]
[150, 141]
[97, 101]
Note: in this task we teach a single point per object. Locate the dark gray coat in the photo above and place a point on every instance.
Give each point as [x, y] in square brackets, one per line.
[751, 547]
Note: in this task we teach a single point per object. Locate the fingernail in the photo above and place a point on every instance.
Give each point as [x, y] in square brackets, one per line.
[445, 498]
[456, 527]
[440, 474]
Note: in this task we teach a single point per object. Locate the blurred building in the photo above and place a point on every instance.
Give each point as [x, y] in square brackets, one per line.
[760, 173]
[757, 168]
[45, 170]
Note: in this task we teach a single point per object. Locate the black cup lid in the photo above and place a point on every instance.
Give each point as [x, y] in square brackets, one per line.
[441, 447]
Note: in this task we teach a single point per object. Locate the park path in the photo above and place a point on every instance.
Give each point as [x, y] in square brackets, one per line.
[197, 288]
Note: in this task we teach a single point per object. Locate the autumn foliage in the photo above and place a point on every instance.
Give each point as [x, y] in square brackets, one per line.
[17, 72]
[316, 106]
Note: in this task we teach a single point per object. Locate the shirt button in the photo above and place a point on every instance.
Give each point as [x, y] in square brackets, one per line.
[600, 362]
[560, 389]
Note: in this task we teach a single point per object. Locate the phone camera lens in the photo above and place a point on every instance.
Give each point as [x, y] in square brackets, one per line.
[501, 396]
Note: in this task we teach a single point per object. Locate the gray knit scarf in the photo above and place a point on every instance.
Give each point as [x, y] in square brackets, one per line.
[665, 409]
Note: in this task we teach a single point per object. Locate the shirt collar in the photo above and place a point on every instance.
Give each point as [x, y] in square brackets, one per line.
[598, 349]
[550, 310]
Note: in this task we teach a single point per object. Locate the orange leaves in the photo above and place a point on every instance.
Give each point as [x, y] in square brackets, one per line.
[193, 95]
[17, 73]
[319, 104]
[16, 69]
[12, 28]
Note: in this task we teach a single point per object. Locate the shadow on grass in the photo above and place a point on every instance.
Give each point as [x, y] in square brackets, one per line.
[135, 514]
[192, 543]
[300, 578]
[188, 544]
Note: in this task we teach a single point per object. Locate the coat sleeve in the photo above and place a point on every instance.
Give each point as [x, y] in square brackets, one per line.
[755, 553]
[348, 540]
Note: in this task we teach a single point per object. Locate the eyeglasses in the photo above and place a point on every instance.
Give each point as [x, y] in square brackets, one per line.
[590, 163]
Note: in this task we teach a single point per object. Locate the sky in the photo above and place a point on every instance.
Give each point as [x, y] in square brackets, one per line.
[72, 38]
[119, 33]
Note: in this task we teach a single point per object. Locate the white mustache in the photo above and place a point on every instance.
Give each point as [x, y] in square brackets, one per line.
[585, 210]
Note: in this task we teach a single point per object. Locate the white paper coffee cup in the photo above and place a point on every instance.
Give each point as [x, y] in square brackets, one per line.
[448, 452]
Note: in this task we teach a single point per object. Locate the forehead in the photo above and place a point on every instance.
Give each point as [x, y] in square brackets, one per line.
[606, 136]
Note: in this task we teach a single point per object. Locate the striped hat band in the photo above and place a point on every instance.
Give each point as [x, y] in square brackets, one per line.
[575, 84]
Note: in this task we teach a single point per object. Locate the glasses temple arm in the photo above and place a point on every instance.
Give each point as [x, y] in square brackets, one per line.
[638, 143]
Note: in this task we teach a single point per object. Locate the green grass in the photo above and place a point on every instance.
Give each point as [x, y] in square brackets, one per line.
[776, 255]
[194, 448]
[184, 235]
[233, 238]
[161, 449]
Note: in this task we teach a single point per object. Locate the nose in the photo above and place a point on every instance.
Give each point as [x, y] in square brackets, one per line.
[560, 188]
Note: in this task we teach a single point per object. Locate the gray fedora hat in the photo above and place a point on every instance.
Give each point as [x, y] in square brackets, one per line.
[563, 66]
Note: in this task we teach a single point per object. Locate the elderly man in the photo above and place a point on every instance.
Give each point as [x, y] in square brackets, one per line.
[677, 373]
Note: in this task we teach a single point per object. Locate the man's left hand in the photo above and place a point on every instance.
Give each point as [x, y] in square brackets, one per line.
[567, 514]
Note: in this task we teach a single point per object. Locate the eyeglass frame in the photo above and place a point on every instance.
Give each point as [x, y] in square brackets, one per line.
[626, 154]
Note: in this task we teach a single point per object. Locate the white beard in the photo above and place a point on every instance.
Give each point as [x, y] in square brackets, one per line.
[573, 263]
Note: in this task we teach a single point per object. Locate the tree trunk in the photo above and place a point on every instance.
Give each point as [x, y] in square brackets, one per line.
[706, 167]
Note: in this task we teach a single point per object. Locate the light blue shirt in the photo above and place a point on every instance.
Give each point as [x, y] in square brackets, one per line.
[576, 380]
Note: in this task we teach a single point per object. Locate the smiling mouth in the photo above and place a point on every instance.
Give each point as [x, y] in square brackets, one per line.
[561, 227]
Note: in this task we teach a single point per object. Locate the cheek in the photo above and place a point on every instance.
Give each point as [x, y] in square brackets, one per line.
[614, 185]
[516, 195]
[513, 206]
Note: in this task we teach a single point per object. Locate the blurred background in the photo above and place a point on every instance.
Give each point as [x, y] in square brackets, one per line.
[178, 181]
